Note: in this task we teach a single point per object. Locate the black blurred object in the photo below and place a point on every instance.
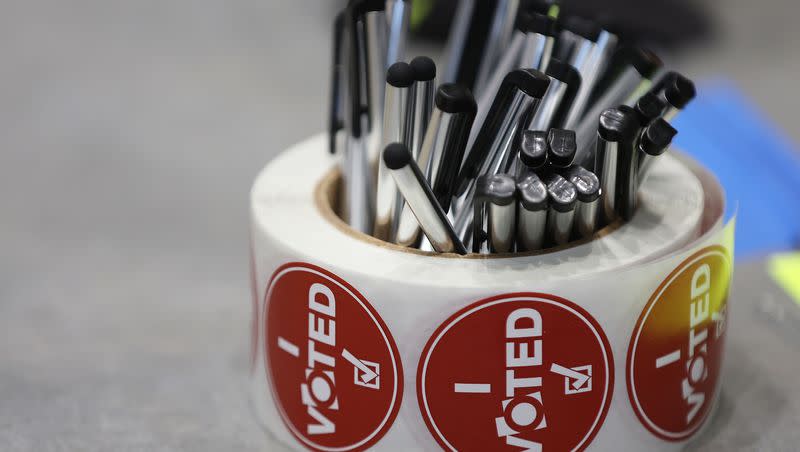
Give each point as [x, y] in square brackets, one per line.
[670, 24]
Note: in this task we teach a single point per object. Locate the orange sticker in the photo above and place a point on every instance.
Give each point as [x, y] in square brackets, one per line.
[675, 353]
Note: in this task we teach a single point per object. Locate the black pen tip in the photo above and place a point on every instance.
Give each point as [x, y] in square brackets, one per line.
[644, 61]
[396, 156]
[400, 75]
[455, 98]
[500, 189]
[563, 72]
[530, 81]
[561, 194]
[562, 146]
[531, 22]
[532, 193]
[657, 137]
[616, 124]
[648, 108]
[533, 148]
[679, 91]
[424, 69]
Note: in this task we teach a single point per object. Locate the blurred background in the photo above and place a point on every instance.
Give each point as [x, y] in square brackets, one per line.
[130, 132]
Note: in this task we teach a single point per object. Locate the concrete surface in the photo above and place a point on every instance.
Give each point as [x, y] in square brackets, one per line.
[130, 133]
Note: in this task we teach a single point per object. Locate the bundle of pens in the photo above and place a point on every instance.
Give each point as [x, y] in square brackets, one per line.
[567, 123]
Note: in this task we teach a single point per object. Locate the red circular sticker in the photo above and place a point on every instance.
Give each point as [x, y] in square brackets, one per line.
[332, 363]
[675, 354]
[526, 370]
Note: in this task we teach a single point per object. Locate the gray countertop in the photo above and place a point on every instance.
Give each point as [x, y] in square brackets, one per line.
[130, 134]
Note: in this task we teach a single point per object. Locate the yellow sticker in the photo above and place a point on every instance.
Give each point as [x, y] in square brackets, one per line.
[785, 270]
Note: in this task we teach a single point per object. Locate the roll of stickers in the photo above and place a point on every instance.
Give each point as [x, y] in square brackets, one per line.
[613, 343]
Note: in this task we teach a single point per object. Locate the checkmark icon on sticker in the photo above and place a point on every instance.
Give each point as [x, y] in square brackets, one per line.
[576, 379]
[366, 373]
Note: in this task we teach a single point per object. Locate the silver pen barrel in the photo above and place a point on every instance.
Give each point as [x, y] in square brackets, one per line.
[425, 76]
[562, 198]
[399, 81]
[532, 212]
[418, 195]
[399, 18]
[540, 31]
[587, 186]
[615, 127]
[375, 37]
[495, 214]
[499, 35]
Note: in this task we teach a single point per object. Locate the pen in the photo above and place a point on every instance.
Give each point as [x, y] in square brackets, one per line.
[335, 119]
[562, 198]
[519, 93]
[425, 77]
[399, 19]
[615, 127]
[596, 64]
[507, 64]
[540, 32]
[420, 199]
[442, 151]
[630, 70]
[494, 213]
[375, 52]
[561, 147]
[564, 84]
[587, 186]
[532, 208]
[399, 80]
[356, 205]
[627, 170]
[456, 39]
[655, 140]
[499, 35]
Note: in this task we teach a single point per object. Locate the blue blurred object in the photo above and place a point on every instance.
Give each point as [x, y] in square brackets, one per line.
[756, 163]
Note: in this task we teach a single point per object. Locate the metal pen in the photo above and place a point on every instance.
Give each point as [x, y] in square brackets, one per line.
[628, 172]
[562, 198]
[587, 186]
[375, 41]
[507, 64]
[614, 129]
[399, 20]
[399, 81]
[631, 70]
[564, 85]
[540, 36]
[356, 197]
[561, 147]
[457, 39]
[654, 141]
[499, 35]
[418, 195]
[442, 152]
[425, 77]
[590, 69]
[532, 207]
[336, 113]
[494, 213]
[491, 153]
